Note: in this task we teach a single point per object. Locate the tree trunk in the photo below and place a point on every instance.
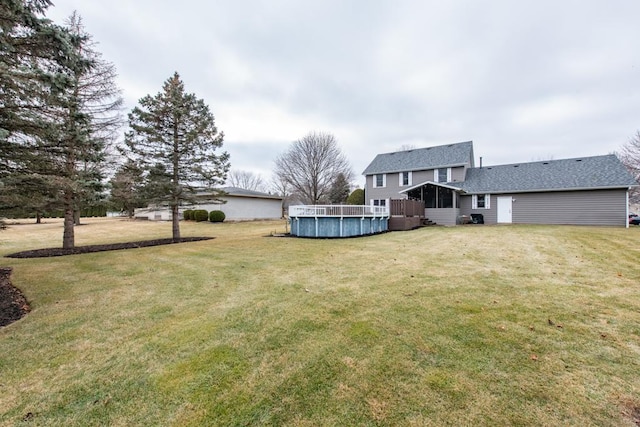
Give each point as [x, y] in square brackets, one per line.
[38, 218]
[68, 238]
[175, 220]
[76, 216]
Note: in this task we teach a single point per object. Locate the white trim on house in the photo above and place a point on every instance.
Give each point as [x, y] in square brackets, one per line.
[401, 178]
[438, 184]
[375, 180]
[487, 201]
[436, 175]
[377, 202]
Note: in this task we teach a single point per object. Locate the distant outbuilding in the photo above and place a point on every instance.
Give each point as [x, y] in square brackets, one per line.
[237, 204]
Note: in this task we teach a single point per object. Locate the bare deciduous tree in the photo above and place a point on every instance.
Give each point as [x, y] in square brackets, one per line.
[629, 155]
[311, 165]
[246, 180]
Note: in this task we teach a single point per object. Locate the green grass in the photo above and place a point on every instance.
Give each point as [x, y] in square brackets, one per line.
[437, 326]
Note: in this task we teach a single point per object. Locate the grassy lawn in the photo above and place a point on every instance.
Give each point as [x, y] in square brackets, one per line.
[472, 325]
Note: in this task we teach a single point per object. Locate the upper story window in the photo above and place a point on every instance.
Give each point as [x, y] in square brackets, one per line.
[405, 179]
[480, 201]
[379, 180]
[442, 175]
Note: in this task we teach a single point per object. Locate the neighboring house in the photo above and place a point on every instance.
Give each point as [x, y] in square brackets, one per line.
[241, 205]
[588, 190]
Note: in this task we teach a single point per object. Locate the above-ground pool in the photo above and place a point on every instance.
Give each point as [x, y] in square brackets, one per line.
[337, 220]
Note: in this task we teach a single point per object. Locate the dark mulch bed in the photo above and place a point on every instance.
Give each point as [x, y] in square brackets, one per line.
[13, 304]
[48, 252]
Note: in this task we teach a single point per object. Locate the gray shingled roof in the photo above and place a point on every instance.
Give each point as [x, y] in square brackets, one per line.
[239, 192]
[422, 158]
[235, 191]
[567, 174]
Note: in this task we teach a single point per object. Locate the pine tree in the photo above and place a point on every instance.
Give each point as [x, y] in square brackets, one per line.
[34, 54]
[59, 108]
[339, 190]
[90, 118]
[127, 188]
[175, 134]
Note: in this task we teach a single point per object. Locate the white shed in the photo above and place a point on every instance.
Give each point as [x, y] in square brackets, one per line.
[240, 205]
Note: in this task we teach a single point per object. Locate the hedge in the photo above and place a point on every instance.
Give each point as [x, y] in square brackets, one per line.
[200, 215]
[216, 216]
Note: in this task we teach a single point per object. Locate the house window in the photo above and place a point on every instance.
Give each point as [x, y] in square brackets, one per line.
[405, 179]
[379, 202]
[442, 175]
[480, 201]
[379, 180]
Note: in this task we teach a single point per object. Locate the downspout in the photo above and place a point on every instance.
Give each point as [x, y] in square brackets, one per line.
[626, 217]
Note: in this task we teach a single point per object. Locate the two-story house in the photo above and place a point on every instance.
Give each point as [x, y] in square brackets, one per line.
[588, 190]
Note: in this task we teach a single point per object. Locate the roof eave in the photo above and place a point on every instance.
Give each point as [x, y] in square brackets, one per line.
[437, 184]
[454, 165]
[548, 190]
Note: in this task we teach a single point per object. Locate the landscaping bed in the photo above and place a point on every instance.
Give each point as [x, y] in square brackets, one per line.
[13, 304]
[49, 252]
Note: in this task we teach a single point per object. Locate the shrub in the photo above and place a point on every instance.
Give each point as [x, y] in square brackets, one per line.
[216, 216]
[356, 197]
[188, 215]
[200, 215]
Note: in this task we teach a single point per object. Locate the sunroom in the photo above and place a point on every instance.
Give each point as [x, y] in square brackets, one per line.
[441, 201]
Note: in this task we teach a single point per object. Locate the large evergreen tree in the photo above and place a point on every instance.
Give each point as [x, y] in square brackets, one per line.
[34, 57]
[174, 135]
[90, 120]
[59, 107]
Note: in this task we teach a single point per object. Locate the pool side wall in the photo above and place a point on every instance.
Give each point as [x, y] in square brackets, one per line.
[337, 227]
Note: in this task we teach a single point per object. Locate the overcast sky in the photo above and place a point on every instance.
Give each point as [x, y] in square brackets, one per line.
[524, 80]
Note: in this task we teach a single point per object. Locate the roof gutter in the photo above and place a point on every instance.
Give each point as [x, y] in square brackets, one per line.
[547, 190]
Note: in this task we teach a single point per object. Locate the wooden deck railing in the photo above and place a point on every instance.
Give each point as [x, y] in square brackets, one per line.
[407, 208]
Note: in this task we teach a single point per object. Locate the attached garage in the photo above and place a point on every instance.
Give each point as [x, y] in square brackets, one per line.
[583, 191]
[590, 207]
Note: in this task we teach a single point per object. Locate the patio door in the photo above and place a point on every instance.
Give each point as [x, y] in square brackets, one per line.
[504, 210]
